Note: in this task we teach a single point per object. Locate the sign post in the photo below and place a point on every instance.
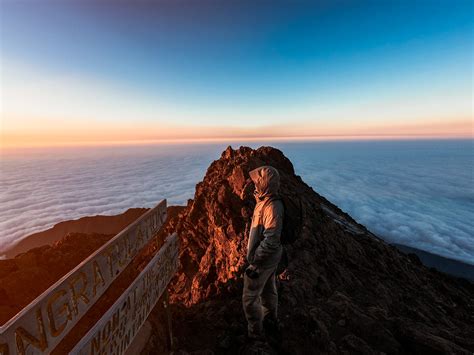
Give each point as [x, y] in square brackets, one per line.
[166, 305]
[41, 325]
[114, 332]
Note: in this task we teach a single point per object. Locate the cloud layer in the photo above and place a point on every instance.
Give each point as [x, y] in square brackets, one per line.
[37, 192]
[417, 194]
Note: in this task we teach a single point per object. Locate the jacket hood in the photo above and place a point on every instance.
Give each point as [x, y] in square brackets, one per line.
[266, 180]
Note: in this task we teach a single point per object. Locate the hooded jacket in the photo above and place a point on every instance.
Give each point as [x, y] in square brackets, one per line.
[264, 246]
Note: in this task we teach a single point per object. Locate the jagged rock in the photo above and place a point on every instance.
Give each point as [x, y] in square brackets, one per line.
[345, 290]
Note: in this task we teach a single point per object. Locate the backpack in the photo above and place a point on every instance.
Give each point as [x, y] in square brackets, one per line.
[292, 221]
[291, 229]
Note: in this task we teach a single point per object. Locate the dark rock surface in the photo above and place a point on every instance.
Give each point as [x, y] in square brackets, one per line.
[345, 291]
[449, 266]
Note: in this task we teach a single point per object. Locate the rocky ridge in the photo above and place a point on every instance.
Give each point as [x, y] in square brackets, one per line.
[91, 224]
[344, 291]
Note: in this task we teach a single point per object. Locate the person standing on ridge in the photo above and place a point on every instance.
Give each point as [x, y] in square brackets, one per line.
[260, 295]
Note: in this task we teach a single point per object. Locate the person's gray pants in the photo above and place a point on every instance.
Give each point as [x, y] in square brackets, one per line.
[260, 299]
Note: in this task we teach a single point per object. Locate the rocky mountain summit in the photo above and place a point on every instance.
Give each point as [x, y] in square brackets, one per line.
[344, 291]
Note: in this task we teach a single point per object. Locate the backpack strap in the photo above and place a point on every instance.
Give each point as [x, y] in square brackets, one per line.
[275, 198]
[278, 198]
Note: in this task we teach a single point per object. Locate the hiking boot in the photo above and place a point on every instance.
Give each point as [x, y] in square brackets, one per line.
[272, 331]
[256, 347]
[271, 326]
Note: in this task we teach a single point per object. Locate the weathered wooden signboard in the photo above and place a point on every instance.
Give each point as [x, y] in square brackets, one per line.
[40, 326]
[114, 332]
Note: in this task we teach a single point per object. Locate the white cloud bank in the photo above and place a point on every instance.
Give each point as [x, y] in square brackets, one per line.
[417, 194]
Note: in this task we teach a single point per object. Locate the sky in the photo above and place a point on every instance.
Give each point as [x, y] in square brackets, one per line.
[100, 72]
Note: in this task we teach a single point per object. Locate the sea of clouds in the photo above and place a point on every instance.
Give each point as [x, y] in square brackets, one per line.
[419, 194]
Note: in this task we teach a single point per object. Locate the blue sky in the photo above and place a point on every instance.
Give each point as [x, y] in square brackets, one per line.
[326, 67]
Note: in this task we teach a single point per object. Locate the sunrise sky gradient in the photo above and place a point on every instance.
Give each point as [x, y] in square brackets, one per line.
[84, 72]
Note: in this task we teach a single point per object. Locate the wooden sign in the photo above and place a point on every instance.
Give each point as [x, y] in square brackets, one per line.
[114, 332]
[40, 326]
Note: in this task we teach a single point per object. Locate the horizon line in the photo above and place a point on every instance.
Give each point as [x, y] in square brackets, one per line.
[309, 138]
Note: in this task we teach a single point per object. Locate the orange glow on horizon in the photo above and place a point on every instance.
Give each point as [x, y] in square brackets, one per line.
[52, 134]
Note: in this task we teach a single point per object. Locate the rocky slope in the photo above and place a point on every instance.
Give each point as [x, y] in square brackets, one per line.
[452, 267]
[344, 291]
[25, 277]
[90, 224]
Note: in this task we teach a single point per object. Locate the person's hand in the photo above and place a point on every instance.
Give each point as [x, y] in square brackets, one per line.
[251, 272]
